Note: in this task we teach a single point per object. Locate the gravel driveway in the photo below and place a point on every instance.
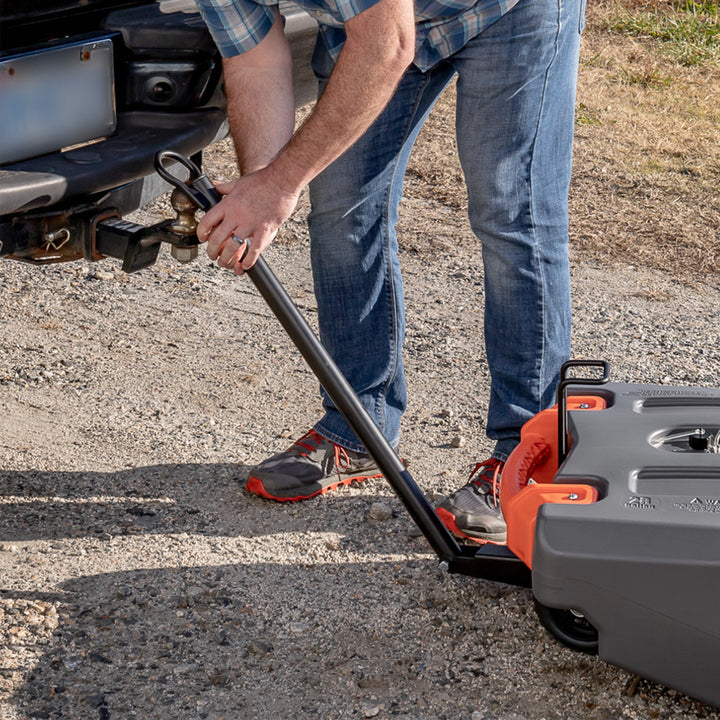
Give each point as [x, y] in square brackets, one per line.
[139, 579]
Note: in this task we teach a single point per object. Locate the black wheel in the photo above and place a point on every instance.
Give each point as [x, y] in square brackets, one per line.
[569, 627]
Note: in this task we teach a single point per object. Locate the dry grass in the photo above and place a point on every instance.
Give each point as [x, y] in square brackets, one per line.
[646, 185]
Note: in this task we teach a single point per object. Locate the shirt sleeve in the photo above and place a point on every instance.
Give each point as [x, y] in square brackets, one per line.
[237, 25]
[344, 10]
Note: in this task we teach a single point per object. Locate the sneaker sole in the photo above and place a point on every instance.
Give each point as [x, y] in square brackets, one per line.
[255, 486]
[448, 520]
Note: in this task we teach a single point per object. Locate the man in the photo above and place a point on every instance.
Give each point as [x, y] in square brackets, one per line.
[381, 65]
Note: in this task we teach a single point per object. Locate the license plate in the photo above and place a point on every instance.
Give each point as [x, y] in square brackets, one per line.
[55, 98]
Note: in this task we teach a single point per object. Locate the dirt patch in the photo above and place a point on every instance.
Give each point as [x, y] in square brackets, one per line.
[646, 178]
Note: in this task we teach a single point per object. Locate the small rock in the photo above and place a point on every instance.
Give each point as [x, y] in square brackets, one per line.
[371, 711]
[102, 275]
[259, 647]
[458, 441]
[96, 700]
[195, 592]
[219, 678]
[72, 662]
[380, 511]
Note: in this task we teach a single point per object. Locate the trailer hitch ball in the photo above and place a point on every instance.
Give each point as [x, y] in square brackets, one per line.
[185, 250]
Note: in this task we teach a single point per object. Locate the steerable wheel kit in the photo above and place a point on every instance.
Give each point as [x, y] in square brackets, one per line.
[612, 502]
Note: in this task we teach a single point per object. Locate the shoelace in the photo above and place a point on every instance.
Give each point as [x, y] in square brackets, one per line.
[310, 435]
[490, 485]
[342, 459]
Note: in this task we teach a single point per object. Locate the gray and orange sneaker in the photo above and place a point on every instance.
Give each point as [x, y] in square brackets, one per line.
[473, 512]
[311, 466]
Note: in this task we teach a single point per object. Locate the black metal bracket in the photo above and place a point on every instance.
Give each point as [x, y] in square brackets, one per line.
[136, 245]
[565, 382]
[491, 562]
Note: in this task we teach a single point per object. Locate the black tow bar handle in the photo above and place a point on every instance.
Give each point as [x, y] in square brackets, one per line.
[500, 564]
[198, 187]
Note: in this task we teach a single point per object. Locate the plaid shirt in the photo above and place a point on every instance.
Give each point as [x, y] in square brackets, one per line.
[442, 26]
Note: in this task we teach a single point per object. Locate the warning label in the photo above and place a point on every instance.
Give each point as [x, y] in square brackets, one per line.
[711, 505]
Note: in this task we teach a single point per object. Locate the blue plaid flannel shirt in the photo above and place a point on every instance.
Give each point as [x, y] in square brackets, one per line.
[442, 26]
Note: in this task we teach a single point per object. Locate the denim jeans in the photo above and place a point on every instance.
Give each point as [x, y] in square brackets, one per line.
[515, 116]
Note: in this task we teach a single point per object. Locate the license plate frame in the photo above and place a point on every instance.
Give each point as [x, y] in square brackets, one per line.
[55, 98]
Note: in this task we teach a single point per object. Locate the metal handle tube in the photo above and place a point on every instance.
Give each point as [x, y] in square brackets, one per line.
[347, 402]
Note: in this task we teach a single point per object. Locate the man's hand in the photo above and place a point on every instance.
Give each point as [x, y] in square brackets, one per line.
[246, 221]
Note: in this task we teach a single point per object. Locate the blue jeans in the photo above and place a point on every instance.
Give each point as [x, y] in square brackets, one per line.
[515, 116]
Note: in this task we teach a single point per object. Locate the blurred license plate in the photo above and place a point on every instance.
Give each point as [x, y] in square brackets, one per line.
[55, 98]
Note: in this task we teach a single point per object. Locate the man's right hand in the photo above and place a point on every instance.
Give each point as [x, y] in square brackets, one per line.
[253, 208]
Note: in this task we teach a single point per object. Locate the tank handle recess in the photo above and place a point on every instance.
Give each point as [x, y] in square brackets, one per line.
[565, 382]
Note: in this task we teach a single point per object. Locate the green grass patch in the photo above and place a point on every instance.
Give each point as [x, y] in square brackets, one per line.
[585, 115]
[688, 30]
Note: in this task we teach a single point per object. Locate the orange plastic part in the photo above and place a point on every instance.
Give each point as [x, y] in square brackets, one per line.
[536, 459]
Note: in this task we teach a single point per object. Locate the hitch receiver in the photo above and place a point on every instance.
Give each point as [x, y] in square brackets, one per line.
[136, 245]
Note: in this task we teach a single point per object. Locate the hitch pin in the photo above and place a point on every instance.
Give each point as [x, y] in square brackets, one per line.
[55, 239]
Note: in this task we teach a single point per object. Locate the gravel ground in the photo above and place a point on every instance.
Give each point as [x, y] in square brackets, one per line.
[139, 580]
